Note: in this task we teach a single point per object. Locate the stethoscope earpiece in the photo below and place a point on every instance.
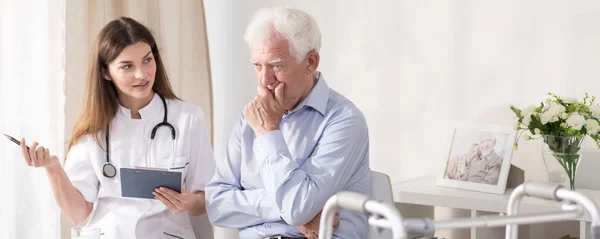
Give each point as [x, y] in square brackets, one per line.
[110, 171]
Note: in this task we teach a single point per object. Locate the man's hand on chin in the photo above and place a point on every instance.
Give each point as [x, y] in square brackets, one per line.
[264, 112]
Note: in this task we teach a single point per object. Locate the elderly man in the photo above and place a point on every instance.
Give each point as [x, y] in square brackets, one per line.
[486, 168]
[297, 143]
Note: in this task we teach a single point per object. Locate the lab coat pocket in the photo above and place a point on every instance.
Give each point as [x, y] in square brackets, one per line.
[180, 164]
[173, 230]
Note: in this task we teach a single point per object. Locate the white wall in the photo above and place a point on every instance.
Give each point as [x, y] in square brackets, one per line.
[416, 67]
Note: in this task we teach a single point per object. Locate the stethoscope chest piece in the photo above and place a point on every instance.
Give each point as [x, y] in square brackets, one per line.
[109, 170]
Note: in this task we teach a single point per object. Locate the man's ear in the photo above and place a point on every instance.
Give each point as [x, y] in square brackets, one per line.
[312, 59]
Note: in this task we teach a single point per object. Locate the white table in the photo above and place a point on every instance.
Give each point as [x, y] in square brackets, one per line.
[423, 191]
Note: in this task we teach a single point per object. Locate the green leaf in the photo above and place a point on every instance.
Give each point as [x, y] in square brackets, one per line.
[516, 111]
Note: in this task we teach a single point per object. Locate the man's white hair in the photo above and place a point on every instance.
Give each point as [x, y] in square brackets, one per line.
[295, 26]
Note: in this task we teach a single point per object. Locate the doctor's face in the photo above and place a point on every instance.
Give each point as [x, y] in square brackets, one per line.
[274, 64]
[132, 72]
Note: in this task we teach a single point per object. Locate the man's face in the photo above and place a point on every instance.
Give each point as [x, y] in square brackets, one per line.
[487, 142]
[274, 64]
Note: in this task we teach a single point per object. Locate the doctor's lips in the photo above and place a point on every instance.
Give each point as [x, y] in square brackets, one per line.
[142, 84]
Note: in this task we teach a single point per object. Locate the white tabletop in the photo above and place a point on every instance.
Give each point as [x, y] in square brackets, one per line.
[423, 191]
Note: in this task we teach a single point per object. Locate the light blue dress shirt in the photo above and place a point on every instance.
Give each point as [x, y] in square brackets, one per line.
[267, 185]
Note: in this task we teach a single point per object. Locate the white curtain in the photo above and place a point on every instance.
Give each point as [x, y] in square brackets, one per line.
[31, 106]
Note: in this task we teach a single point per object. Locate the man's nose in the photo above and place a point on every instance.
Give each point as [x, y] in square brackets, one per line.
[267, 77]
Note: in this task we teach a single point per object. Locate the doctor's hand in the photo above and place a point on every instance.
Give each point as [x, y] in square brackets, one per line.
[311, 229]
[176, 202]
[264, 112]
[38, 156]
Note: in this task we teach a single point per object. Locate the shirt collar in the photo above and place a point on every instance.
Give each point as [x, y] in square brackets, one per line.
[318, 96]
[154, 107]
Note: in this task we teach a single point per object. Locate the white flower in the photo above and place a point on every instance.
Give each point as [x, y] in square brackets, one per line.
[537, 131]
[592, 126]
[528, 111]
[564, 116]
[527, 137]
[527, 120]
[595, 111]
[575, 121]
[544, 118]
[546, 105]
[557, 109]
[552, 114]
[569, 100]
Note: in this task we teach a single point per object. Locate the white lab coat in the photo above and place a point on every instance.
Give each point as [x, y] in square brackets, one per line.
[120, 217]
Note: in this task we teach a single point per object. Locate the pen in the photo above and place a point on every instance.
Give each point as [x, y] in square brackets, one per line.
[14, 140]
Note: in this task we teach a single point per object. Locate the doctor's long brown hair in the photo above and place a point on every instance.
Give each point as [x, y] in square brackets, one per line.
[100, 103]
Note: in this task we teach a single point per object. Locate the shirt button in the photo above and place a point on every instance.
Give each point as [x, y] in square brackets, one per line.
[268, 225]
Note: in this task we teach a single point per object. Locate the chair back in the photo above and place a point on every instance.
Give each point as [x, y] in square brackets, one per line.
[381, 190]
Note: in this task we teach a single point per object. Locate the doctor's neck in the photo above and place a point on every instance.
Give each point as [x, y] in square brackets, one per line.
[135, 104]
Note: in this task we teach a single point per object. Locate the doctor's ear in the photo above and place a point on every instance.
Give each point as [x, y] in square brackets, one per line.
[106, 75]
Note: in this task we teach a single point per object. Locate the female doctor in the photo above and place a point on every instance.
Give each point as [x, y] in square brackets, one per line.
[128, 95]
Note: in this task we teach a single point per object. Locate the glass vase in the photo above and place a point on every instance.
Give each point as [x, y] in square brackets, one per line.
[561, 156]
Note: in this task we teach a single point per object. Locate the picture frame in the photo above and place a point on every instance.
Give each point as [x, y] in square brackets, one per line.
[478, 158]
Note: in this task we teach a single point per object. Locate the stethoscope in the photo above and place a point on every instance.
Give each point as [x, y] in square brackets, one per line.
[109, 169]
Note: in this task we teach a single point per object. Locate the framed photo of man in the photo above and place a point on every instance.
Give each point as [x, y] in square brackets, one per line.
[478, 158]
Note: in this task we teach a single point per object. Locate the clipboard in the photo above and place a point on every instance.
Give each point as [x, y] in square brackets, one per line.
[140, 183]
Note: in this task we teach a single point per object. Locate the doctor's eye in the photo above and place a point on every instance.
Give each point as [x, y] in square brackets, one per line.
[126, 67]
[148, 60]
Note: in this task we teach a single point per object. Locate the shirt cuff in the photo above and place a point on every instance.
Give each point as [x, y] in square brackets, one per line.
[269, 144]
